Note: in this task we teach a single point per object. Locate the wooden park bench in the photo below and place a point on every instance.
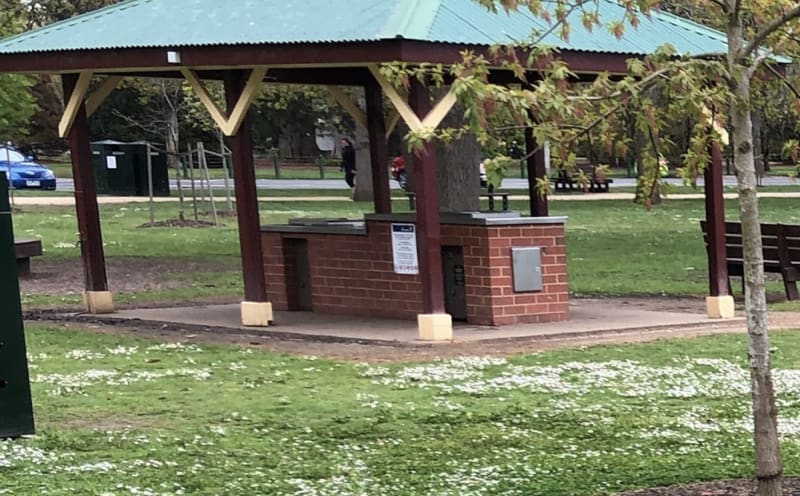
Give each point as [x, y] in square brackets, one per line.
[565, 181]
[25, 250]
[781, 248]
[412, 200]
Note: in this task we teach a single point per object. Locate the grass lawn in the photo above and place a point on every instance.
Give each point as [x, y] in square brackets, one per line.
[122, 416]
[614, 248]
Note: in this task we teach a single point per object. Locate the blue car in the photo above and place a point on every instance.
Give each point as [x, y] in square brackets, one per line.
[23, 173]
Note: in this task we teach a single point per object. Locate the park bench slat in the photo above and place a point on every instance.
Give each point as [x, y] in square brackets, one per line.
[781, 250]
[491, 197]
[25, 249]
[566, 182]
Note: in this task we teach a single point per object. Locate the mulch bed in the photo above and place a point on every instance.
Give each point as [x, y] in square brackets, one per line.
[179, 223]
[743, 487]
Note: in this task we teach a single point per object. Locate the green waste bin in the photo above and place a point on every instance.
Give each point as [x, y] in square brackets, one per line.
[16, 408]
[121, 169]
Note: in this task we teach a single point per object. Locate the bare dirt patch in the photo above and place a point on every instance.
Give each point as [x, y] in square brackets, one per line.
[127, 275]
[111, 423]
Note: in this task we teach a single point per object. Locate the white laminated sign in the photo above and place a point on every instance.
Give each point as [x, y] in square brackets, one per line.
[404, 249]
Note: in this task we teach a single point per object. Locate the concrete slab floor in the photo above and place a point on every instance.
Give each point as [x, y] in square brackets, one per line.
[587, 318]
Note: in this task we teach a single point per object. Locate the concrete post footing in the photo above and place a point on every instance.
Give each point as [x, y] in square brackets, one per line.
[98, 302]
[435, 327]
[256, 314]
[720, 307]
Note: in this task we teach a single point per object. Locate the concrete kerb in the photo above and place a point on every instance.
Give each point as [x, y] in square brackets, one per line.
[590, 323]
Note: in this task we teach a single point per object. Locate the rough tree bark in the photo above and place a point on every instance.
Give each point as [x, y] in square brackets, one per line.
[758, 152]
[768, 462]
[458, 172]
[172, 140]
[363, 191]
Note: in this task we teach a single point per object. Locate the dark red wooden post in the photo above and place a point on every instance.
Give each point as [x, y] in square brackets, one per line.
[715, 219]
[536, 170]
[255, 289]
[429, 229]
[376, 127]
[90, 232]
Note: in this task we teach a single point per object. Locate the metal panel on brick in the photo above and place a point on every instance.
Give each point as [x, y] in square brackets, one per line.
[16, 409]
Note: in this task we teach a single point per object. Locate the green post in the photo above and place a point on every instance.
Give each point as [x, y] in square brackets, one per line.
[277, 164]
[185, 168]
[16, 408]
[522, 166]
[321, 167]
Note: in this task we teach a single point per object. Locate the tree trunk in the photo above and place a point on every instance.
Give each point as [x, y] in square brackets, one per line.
[768, 462]
[758, 151]
[363, 191]
[648, 190]
[637, 145]
[172, 144]
[458, 170]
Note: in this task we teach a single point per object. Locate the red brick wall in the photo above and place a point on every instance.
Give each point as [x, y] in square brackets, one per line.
[354, 275]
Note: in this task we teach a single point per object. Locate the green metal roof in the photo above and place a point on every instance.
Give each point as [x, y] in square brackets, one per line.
[181, 23]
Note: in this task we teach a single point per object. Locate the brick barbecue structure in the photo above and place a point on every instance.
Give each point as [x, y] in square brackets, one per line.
[349, 268]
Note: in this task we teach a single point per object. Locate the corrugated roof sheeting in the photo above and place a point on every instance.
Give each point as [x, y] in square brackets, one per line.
[176, 23]
[661, 28]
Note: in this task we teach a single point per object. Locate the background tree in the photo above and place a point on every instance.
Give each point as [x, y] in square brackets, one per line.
[287, 116]
[17, 106]
[35, 112]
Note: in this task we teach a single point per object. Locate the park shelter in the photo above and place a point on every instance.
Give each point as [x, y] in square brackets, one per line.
[340, 43]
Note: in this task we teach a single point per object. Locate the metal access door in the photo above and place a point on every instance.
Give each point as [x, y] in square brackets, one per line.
[455, 287]
[298, 276]
[16, 409]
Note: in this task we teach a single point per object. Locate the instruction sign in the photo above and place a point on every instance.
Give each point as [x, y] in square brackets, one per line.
[404, 249]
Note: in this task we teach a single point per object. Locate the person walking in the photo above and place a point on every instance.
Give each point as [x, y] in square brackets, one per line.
[349, 162]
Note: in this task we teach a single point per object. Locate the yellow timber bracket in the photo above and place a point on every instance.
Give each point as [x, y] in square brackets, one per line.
[94, 100]
[392, 122]
[430, 121]
[713, 122]
[347, 103]
[229, 124]
[359, 115]
[78, 97]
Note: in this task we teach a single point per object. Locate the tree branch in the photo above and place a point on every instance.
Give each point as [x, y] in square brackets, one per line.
[560, 22]
[723, 5]
[736, 9]
[784, 81]
[770, 28]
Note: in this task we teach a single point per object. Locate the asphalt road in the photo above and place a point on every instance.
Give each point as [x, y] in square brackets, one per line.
[67, 185]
